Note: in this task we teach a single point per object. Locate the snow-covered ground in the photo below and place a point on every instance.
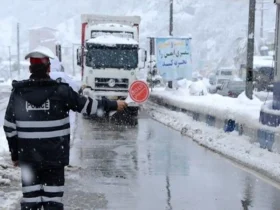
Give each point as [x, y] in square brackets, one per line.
[9, 175]
[231, 145]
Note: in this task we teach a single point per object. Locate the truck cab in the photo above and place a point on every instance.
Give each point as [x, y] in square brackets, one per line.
[110, 56]
[223, 75]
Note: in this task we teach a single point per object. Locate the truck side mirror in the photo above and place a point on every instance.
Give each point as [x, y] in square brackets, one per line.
[142, 58]
[142, 55]
[78, 58]
[145, 55]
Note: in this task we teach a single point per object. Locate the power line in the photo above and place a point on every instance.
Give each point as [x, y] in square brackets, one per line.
[18, 49]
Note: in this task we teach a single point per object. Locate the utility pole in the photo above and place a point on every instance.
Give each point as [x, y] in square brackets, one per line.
[250, 49]
[171, 19]
[10, 62]
[262, 13]
[73, 58]
[277, 44]
[262, 9]
[170, 30]
[18, 50]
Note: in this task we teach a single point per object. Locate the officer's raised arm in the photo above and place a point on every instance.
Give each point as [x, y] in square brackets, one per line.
[89, 106]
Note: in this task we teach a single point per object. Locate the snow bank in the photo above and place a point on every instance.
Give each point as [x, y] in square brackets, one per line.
[267, 108]
[231, 145]
[3, 142]
[10, 200]
[188, 88]
[198, 88]
[5, 84]
[240, 109]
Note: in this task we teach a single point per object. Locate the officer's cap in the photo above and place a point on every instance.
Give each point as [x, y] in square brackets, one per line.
[39, 55]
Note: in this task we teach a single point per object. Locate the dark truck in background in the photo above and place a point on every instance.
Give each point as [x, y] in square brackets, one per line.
[263, 74]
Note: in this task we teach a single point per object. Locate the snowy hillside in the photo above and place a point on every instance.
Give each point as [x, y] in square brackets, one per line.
[218, 27]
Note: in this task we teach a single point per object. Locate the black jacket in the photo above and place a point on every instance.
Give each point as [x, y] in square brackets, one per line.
[37, 122]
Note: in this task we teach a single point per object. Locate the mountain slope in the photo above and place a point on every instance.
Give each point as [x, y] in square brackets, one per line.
[217, 26]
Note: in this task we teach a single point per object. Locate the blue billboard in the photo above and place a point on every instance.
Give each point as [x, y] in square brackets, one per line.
[173, 58]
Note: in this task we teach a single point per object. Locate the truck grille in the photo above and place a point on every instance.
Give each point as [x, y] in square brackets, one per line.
[103, 83]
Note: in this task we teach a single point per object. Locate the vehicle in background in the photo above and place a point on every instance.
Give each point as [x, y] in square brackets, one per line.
[56, 65]
[263, 73]
[65, 78]
[110, 56]
[212, 79]
[2, 80]
[198, 88]
[224, 74]
[263, 78]
[231, 88]
[45, 36]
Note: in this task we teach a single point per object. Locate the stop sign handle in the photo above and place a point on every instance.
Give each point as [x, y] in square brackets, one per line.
[128, 100]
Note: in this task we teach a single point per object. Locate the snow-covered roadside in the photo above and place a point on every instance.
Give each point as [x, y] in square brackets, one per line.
[231, 145]
[241, 109]
[9, 177]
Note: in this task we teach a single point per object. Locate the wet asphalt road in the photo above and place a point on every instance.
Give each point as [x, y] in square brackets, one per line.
[152, 167]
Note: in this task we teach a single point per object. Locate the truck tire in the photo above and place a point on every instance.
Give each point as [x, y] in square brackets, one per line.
[133, 111]
[126, 117]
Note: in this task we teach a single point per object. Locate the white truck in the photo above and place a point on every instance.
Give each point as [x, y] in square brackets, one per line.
[110, 56]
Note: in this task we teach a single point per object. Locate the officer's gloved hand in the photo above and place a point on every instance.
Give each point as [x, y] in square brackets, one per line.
[82, 89]
[121, 105]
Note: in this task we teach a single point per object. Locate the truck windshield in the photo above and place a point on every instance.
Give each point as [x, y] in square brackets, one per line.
[120, 57]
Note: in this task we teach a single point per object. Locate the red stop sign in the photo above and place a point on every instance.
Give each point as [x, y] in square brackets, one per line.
[139, 91]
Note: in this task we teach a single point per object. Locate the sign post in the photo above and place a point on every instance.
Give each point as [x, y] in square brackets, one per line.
[138, 92]
[173, 57]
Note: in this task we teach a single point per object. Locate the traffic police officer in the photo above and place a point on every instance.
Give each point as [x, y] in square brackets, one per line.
[37, 128]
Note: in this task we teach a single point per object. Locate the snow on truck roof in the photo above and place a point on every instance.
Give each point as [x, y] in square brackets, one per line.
[112, 40]
[97, 19]
[263, 63]
[114, 26]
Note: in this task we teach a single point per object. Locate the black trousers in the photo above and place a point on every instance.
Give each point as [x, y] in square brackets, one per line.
[42, 187]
